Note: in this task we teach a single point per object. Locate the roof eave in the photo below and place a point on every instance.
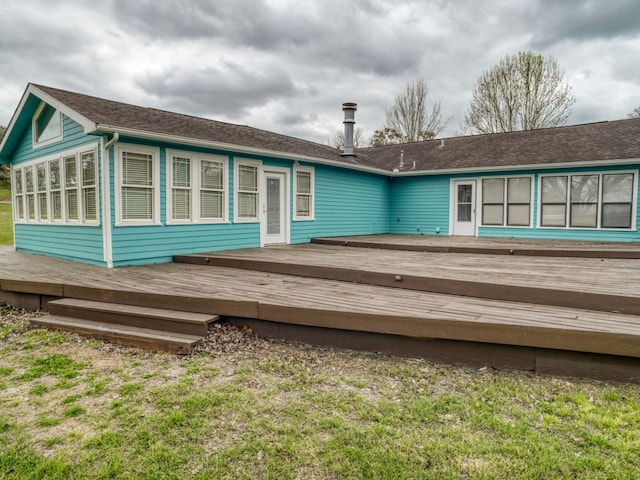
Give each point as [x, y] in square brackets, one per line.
[32, 89]
[534, 166]
[129, 132]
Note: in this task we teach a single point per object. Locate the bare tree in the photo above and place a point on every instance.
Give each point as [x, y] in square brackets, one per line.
[522, 92]
[337, 140]
[411, 119]
[635, 113]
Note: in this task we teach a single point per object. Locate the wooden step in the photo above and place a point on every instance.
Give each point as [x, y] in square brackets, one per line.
[124, 334]
[144, 317]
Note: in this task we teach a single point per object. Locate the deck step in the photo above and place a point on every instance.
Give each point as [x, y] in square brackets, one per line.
[124, 334]
[188, 323]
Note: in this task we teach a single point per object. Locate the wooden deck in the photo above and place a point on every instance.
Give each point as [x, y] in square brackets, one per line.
[357, 310]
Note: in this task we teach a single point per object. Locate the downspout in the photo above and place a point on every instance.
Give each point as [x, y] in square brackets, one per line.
[106, 200]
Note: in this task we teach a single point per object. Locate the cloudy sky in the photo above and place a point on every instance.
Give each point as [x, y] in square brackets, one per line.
[288, 65]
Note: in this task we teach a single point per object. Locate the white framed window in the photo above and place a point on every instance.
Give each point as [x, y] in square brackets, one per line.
[55, 194]
[58, 189]
[138, 195]
[30, 193]
[46, 125]
[213, 180]
[18, 195]
[246, 190]
[41, 192]
[603, 200]
[506, 201]
[197, 190]
[89, 205]
[304, 183]
[70, 165]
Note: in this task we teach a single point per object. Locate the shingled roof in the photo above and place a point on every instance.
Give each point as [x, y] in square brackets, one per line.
[108, 113]
[588, 143]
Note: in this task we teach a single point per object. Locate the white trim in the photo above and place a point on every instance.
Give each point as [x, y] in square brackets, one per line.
[312, 194]
[75, 152]
[598, 227]
[505, 203]
[105, 190]
[155, 161]
[286, 214]
[196, 183]
[453, 202]
[34, 130]
[239, 149]
[237, 161]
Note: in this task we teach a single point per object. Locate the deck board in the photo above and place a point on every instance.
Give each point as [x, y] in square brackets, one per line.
[339, 304]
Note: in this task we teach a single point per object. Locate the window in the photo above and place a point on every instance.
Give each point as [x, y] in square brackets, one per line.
[181, 188]
[18, 190]
[197, 189]
[246, 191]
[506, 201]
[212, 204]
[304, 182]
[55, 196]
[617, 200]
[89, 199]
[71, 188]
[603, 200]
[138, 185]
[61, 189]
[41, 190]
[30, 196]
[553, 201]
[46, 125]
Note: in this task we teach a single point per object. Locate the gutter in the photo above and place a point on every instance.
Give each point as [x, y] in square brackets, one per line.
[106, 201]
[236, 148]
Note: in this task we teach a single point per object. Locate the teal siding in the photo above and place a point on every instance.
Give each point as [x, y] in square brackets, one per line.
[72, 242]
[137, 245]
[73, 136]
[420, 205]
[584, 234]
[347, 202]
[82, 243]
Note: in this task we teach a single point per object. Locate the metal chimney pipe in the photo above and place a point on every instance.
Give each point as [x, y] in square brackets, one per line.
[349, 121]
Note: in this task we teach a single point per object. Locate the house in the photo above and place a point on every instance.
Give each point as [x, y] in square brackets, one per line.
[114, 184]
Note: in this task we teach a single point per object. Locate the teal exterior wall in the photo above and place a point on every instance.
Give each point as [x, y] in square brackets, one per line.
[75, 242]
[347, 202]
[422, 205]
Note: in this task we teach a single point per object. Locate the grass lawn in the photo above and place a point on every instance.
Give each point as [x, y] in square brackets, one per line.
[244, 408]
[6, 224]
[6, 218]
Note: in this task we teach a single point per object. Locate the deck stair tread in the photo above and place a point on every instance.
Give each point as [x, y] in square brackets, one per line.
[149, 312]
[138, 336]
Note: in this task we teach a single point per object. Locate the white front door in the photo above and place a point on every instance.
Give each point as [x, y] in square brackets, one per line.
[464, 207]
[274, 219]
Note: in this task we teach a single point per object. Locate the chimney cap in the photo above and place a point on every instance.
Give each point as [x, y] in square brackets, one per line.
[349, 106]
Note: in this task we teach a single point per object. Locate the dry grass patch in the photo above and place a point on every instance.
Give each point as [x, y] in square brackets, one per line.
[242, 407]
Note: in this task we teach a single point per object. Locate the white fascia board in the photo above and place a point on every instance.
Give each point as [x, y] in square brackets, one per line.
[535, 166]
[233, 147]
[87, 124]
